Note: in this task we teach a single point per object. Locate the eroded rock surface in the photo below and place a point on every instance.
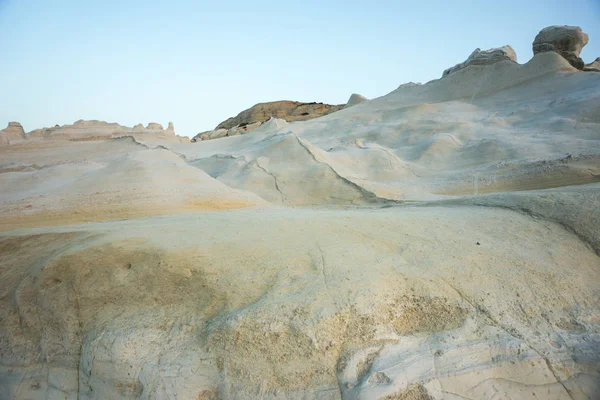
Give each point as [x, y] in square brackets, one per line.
[257, 115]
[594, 66]
[563, 39]
[12, 133]
[485, 57]
[438, 242]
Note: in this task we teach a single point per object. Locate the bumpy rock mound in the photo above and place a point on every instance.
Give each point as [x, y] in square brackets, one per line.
[485, 57]
[13, 132]
[563, 39]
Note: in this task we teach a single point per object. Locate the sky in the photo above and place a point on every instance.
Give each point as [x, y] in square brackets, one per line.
[197, 63]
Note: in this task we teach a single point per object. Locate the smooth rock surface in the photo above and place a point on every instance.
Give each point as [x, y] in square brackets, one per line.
[438, 242]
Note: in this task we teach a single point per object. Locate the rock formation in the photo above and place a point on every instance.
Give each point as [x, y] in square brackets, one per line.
[485, 57]
[153, 126]
[288, 110]
[96, 130]
[12, 133]
[563, 39]
[594, 66]
[260, 113]
[438, 242]
[354, 99]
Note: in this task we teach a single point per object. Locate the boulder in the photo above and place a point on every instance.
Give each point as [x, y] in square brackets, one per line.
[563, 39]
[355, 99]
[594, 66]
[485, 57]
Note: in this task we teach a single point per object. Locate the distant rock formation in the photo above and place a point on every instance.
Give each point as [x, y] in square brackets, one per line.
[153, 126]
[485, 57]
[97, 130]
[170, 129]
[12, 133]
[258, 114]
[594, 66]
[355, 99]
[563, 39]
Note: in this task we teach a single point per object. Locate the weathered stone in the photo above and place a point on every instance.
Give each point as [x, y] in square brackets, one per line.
[13, 132]
[563, 39]
[257, 115]
[288, 110]
[153, 126]
[485, 57]
[594, 66]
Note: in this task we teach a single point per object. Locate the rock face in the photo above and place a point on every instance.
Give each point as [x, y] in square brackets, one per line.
[260, 113]
[355, 99]
[563, 39]
[288, 110]
[594, 66]
[12, 133]
[485, 57]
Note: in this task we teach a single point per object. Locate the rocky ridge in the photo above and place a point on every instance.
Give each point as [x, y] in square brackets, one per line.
[258, 114]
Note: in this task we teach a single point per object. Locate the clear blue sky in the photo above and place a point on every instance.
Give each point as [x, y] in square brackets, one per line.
[198, 62]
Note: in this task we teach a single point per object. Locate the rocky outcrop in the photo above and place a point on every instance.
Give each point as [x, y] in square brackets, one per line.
[594, 66]
[287, 110]
[153, 126]
[170, 129]
[563, 39]
[355, 99]
[260, 113]
[485, 57]
[12, 133]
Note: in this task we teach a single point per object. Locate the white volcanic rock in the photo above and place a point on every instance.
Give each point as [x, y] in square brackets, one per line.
[563, 39]
[355, 99]
[485, 57]
[13, 133]
[438, 242]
